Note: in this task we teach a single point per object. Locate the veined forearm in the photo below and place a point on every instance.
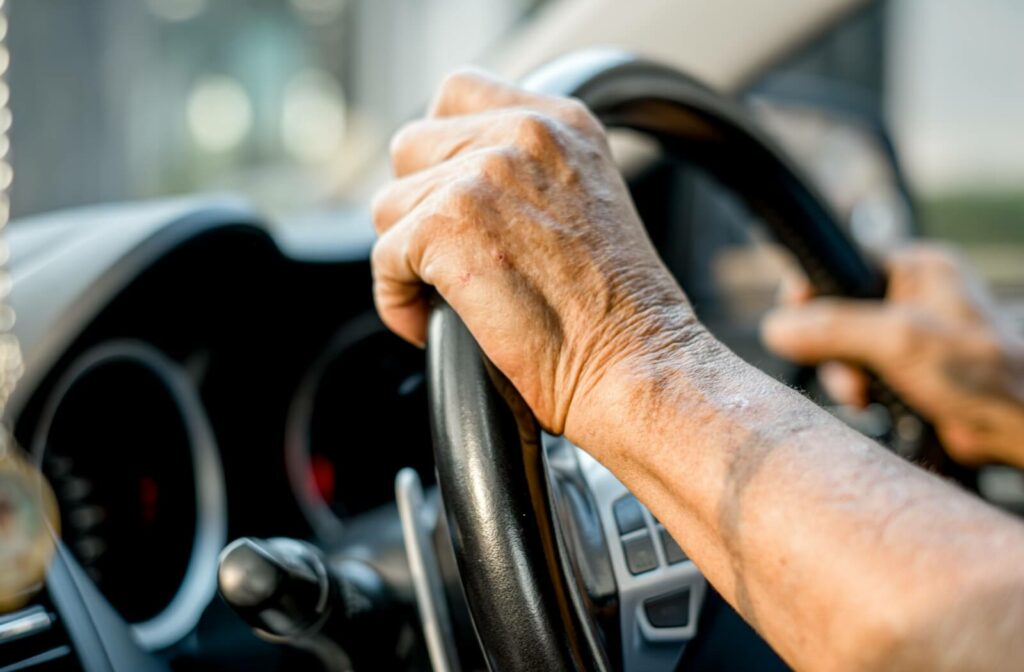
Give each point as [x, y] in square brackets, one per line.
[839, 553]
[510, 205]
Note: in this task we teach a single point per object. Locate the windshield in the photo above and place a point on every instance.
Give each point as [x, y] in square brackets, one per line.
[283, 101]
[290, 102]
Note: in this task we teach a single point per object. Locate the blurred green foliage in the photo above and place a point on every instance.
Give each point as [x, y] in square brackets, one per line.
[974, 218]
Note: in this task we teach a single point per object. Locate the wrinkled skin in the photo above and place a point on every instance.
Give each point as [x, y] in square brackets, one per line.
[937, 340]
[510, 206]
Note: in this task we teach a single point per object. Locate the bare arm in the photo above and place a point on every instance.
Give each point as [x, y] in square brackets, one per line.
[841, 555]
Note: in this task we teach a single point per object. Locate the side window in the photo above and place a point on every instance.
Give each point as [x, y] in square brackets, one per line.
[955, 98]
[823, 105]
[826, 106]
[908, 116]
[287, 102]
[905, 122]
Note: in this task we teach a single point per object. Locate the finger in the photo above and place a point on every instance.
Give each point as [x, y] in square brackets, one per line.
[400, 295]
[794, 289]
[429, 142]
[859, 332]
[845, 384]
[399, 197]
[470, 91]
[964, 443]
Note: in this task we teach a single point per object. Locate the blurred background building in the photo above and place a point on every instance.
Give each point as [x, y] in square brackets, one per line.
[283, 100]
[291, 102]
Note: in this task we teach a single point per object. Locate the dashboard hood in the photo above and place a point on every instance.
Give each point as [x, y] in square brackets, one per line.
[66, 266]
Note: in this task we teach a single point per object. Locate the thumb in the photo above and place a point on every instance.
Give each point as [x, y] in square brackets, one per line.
[858, 332]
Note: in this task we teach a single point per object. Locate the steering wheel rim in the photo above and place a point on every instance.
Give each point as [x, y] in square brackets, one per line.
[528, 609]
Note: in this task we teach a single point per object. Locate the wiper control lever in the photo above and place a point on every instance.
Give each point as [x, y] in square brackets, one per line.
[289, 593]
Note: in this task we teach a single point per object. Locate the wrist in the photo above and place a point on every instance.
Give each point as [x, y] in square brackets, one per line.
[680, 381]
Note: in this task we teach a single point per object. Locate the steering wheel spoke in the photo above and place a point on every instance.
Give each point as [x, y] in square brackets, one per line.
[658, 591]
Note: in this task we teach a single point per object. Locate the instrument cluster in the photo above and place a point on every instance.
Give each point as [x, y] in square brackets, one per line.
[359, 415]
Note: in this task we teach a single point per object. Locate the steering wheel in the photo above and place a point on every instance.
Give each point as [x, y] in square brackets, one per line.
[539, 596]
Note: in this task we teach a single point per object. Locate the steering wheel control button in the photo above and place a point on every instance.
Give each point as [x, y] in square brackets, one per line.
[639, 552]
[669, 611]
[629, 515]
[673, 553]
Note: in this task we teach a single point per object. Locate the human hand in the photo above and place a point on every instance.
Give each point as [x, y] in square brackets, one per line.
[509, 204]
[936, 339]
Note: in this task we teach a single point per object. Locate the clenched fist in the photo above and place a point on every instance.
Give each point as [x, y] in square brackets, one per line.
[936, 339]
[509, 205]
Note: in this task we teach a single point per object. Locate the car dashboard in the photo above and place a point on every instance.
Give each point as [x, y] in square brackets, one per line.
[193, 376]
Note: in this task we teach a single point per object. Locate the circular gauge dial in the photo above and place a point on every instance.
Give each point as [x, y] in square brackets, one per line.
[130, 458]
[360, 415]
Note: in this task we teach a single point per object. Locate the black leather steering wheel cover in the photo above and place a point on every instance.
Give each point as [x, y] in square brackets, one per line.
[493, 481]
[526, 613]
[714, 132]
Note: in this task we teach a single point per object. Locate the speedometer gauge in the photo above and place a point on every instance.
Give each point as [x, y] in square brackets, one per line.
[137, 478]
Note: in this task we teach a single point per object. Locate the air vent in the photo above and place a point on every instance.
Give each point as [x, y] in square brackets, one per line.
[33, 639]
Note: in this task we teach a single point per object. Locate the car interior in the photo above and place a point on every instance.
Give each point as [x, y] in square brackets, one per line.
[252, 473]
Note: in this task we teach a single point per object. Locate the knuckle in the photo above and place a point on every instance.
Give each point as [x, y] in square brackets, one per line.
[534, 132]
[379, 207]
[462, 199]
[497, 166]
[380, 255]
[403, 140]
[455, 85]
[459, 79]
[434, 234]
[578, 115]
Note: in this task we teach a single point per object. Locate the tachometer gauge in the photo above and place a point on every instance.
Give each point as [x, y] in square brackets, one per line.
[359, 415]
